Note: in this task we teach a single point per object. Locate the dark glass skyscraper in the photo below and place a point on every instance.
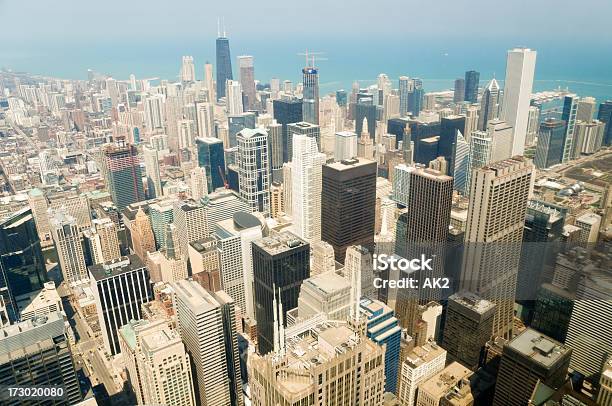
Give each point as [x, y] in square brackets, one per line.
[280, 263]
[365, 108]
[341, 97]
[447, 145]
[310, 107]
[22, 267]
[605, 115]
[415, 97]
[211, 158]
[287, 112]
[123, 175]
[348, 203]
[551, 140]
[472, 78]
[224, 65]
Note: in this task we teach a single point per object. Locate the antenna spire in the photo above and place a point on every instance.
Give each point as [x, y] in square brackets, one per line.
[224, 33]
[218, 27]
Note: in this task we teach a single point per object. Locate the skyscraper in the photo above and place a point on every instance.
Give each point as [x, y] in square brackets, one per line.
[207, 325]
[254, 169]
[605, 115]
[212, 158]
[415, 97]
[189, 217]
[450, 128]
[520, 70]
[530, 357]
[119, 288]
[188, 70]
[570, 109]
[550, 147]
[205, 119]
[234, 97]
[306, 177]
[69, 245]
[489, 104]
[209, 83]
[494, 232]
[472, 78]
[22, 266]
[421, 363]
[310, 106]
[286, 112]
[405, 87]
[275, 150]
[280, 264]
[151, 160]
[459, 92]
[123, 176]
[348, 203]
[345, 145]
[224, 64]
[247, 80]
[103, 240]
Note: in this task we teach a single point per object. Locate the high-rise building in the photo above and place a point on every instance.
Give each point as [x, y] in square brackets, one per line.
[533, 125]
[450, 128]
[489, 104]
[123, 175]
[415, 97]
[234, 97]
[69, 245]
[310, 106]
[119, 289]
[103, 240]
[570, 109]
[306, 169]
[359, 261]
[586, 109]
[520, 70]
[348, 204]
[275, 150]
[468, 326]
[472, 79]
[530, 357]
[445, 385]
[303, 127]
[550, 149]
[151, 160]
[158, 366]
[39, 205]
[141, 233]
[459, 90]
[401, 184]
[207, 325]
[326, 293]
[405, 87]
[588, 138]
[198, 183]
[383, 328]
[224, 64]
[205, 119]
[345, 145]
[280, 264]
[492, 145]
[38, 353]
[188, 69]
[237, 123]
[421, 363]
[212, 158]
[209, 83]
[254, 169]
[605, 115]
[322, 258]
[189, 217]
[287, 111]
[161, 215]
[494, 232]
[305, 370]
[366, 113]
[22, 266]
[247, 80]
[604, 397]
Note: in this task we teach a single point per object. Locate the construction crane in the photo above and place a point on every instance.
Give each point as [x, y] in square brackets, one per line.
[225, 183]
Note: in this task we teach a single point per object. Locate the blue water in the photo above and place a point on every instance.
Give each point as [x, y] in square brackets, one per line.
[585, 69]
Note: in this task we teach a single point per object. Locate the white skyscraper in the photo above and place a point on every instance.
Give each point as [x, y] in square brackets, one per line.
[188, 69]
[346, 145]
[151, 160]
[69, 246]
[254, 169]
[198, 183]
[234, 97]
[247, 80]
[154, 112]
[186, 133]
[208, 82]
[520, 70]
[206, 119]
[306, 172]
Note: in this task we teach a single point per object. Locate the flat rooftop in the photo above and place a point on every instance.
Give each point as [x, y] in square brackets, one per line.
[116, 267]
[279, 243]
[473, 302]
[538, 347]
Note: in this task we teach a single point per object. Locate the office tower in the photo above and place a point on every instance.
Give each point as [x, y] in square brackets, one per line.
[280, 264]
[589, 224]
[247, 80]
[222, 205]
[520, 70]
[37, 353]
[358, 260]
[421, 363]
[341, 98]
[254, 169]
[224, 64]
[212, 158]
[74, 205]
[322, 258]
[550, 147]
[489, 104]
[494, 231]
[325, 293]
[468, 326]
[151, 160]
[143, 239]
[103, 240]
[310, 106]
[345, 145]
[570, 108]
[287, 185]
[586, 109]
[401, 184]
[382, 327]
[22, 266]
[471, 120]
[119, 288]
[492, 145]
[209, 83]
[205, 266]
[415, 97]
[158, 366]
[234, 97]
[588, 138]
[39, 205]
[348, 202]
[190, 221]
[274, 88]
[306, 169]
[304, 371]
[366, 113]
[605, 115]
[391, 107]
[277, 208]
[207, 325]
[604, 397]
[459, 90]
[237, 123]
[405, 87]
[205, 119]
[533, 125]
[434, 391]
[123, 176]
[472, 79]
[234, 237]
[275, 148]
[308, 129]
[450, 128]
[188, 69]
[529, 357]
[286, 112]
[154, 112]
[461, 167]
[160, 213]
[69, 245]
[186, 133]
[198, 183]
